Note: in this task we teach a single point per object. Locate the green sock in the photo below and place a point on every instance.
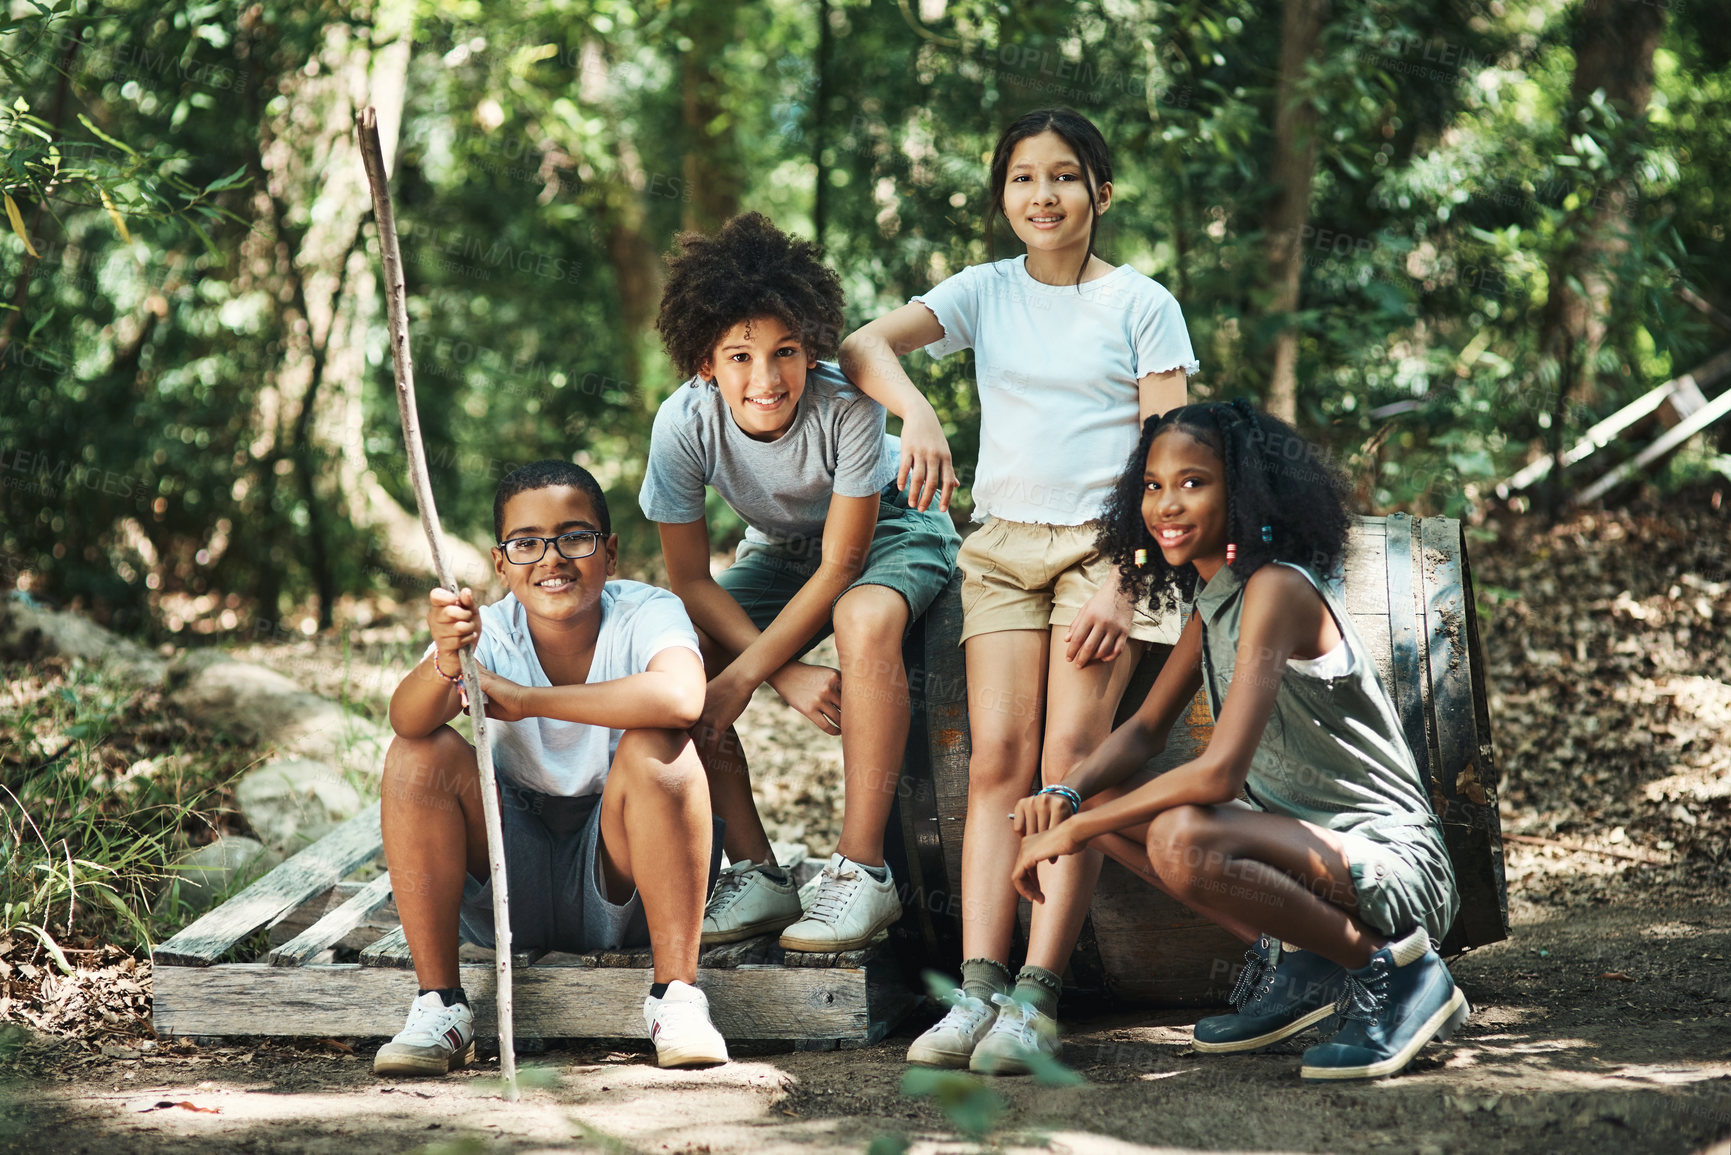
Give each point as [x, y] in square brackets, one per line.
[1039, 988]
[983, 977]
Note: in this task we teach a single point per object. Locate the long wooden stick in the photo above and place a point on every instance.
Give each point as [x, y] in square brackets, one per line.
[367, 128]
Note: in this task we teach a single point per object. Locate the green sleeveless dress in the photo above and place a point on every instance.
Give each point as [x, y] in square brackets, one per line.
[1333, 755]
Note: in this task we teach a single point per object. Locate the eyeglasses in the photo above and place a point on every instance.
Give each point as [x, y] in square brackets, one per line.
[573, 546]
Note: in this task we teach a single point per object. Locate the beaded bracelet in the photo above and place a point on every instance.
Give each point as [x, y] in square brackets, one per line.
[1067, 794]
[456, 681]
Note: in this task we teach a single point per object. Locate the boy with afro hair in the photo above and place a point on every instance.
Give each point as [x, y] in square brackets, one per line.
[751, 316]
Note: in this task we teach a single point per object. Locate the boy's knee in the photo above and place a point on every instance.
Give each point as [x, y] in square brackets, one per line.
[666, 759]
[441, 761]
[868, 619]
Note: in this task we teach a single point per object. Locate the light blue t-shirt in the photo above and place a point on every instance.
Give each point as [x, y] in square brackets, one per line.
[1057, 368]
[572, 758]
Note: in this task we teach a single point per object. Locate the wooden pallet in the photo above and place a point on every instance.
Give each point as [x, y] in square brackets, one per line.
[757, 993]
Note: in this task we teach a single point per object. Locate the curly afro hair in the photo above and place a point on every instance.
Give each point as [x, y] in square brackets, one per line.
[749, 269]
[1274, 479]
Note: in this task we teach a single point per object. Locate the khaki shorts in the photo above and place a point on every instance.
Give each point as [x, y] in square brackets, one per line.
[1022, 576]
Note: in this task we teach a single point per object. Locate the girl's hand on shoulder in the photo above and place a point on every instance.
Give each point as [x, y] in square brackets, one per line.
[814, 691]
[927, 470]
[1038, 813]
[1049, 845]
[1099, 632]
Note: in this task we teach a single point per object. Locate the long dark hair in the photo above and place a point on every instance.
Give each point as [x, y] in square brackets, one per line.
[1274, 478]
[1079, 133]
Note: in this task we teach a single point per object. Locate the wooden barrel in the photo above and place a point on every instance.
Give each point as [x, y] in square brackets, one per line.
[1408, 589]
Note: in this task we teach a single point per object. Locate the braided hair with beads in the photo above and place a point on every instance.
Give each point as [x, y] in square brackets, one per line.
[1285, 501]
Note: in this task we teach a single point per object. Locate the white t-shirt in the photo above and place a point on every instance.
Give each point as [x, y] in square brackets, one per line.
[1057, 367]
[572, 758]
[835, 445]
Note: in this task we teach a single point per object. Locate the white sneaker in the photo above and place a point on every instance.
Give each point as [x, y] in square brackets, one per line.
[950, 1042]
[1019, 1031]
[747, 902]
[679, 1026]
[847, 910]
[435, 1040]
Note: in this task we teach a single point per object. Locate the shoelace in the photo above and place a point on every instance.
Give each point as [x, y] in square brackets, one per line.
[728, 887]
[430, 1023]
[677, 1016]
[965, 1013]
[1254, 980]
[834, 889]
[1361, 999]
[1018, 1019]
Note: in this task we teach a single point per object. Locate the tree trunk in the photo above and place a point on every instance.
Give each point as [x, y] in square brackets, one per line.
[1292, 171]
[712, 170]
[331, 289]
[820, 123]
[1614, 44]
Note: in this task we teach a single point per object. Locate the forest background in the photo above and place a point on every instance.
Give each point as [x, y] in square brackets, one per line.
[1444, 237]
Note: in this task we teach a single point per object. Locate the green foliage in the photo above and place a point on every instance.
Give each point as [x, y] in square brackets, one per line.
[86, 834]
[166, 162]
[965, 1099]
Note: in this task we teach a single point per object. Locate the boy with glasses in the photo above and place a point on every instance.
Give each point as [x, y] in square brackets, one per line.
[608, 832]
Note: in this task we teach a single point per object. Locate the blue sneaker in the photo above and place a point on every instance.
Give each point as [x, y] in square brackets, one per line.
[1280, 992]
[1392, 1006]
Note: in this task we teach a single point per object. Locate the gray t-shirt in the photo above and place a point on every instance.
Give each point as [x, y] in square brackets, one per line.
[836, 444]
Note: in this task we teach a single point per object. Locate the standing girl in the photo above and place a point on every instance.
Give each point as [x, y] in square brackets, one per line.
[1338, 862]
[1070, 354]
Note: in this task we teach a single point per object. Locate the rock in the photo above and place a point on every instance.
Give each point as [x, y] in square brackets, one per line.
[31, 630]
[294, 802]
[258, 705]
[202, 877]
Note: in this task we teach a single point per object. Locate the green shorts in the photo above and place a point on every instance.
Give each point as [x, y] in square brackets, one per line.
[912, 553]
[1403, 879]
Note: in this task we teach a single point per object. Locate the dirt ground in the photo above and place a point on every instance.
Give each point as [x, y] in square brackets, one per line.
[1596, 1026]
[1604, 1022]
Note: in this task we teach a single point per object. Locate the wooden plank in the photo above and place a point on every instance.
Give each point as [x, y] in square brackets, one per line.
[764, 949]
[1600, 434]
[318, 867]
[1465, 796]
[1153, 948]
[345, 999]
[328, 930]
[930, 807]
[1407, 665]
[391, 951]
[1366, 592]
[295, 921]
[1672, 440]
